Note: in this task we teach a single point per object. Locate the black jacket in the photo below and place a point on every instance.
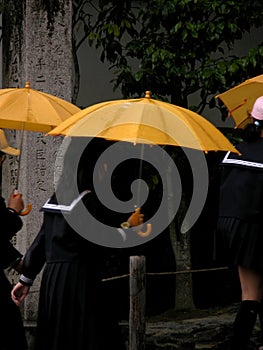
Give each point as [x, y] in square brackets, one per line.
[241, 193]
[12, 330]
[11, 223]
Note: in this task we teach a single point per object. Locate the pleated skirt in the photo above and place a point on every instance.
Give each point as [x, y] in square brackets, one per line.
[239, 243]
[76, 310]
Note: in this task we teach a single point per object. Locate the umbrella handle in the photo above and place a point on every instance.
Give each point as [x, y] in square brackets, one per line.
[145, 233]
[27, 210]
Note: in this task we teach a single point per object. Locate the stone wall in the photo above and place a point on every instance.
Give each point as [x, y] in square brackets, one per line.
[43, 57]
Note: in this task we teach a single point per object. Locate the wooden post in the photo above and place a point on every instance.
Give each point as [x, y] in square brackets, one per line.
[137, 303]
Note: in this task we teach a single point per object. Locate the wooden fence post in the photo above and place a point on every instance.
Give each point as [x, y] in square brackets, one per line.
[137, 303]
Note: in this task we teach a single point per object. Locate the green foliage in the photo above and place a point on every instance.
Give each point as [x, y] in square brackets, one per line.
[177, 48]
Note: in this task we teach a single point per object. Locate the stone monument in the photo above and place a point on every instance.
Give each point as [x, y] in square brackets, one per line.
[36, 48]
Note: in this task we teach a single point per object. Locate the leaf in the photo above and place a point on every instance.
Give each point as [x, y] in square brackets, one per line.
[233, 67]
[177, 27]
[116, 31]
[253, 60]
[138, 76]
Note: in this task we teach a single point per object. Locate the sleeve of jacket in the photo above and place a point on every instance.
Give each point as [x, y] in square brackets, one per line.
[8, 253]
[35, 256]
[11, 222]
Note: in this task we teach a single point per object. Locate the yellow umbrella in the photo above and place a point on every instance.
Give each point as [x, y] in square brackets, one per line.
[32, 110]
[145, 120]
[240, 99]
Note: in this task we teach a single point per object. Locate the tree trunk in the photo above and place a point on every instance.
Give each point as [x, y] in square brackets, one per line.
[181, 248]
[184, 288]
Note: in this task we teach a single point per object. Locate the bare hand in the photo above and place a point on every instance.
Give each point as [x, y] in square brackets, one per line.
[16, 202]
[19, 293]
[136, 219]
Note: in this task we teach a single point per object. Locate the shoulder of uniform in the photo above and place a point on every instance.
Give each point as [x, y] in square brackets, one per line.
[62, 208]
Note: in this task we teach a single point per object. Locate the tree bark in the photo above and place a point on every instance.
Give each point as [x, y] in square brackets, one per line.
[137, 303]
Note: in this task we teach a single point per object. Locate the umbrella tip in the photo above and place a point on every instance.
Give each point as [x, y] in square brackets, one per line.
[147, 94]
[27, 84]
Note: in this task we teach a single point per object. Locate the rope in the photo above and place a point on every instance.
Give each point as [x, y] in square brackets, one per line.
[167, 273]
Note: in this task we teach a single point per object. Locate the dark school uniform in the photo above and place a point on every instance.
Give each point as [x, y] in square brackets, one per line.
[12, 329]
[76, 309]
[240, 229]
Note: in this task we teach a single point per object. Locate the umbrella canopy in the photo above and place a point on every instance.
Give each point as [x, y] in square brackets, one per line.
[145, 120]
[32, 110]
[240, 99]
